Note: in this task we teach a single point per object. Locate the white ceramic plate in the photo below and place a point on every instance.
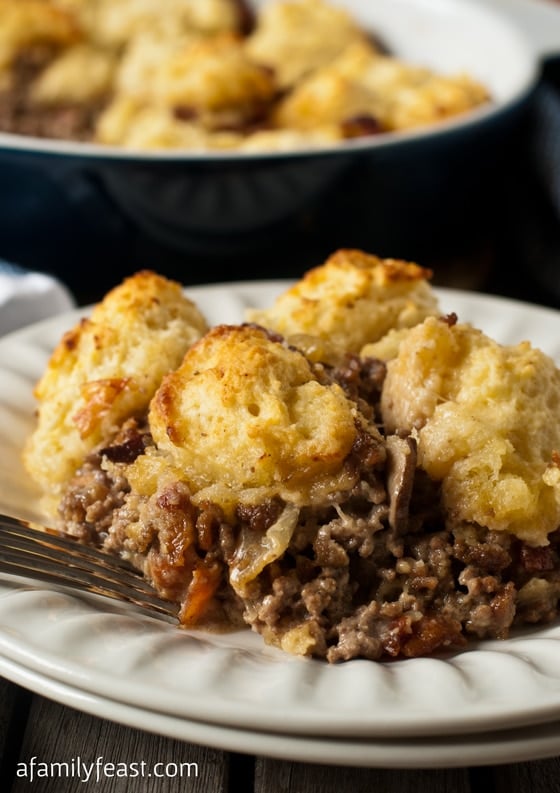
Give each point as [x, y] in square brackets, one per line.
[490, 748]
[234, 681]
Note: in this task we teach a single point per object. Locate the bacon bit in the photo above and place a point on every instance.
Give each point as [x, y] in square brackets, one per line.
[361, 126]
[247, 16]
[208, 525]
[170, 573]
[400, 630]
[433, 633]
[204, 583]
[127, 451]
[185, 113]
[450, 319]
[367, 450]
[267, 333]
[178, 500]
[71, 337]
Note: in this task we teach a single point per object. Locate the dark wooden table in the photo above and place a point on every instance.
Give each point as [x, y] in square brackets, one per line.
[37, 733]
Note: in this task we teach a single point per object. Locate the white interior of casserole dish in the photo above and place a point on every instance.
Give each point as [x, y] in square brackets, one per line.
[449, 36]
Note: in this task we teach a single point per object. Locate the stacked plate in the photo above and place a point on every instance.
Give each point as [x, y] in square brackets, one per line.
[494, 702]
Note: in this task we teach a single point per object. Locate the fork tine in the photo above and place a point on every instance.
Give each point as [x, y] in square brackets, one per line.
[44, 542]
[41, 534]
[152, 606]
[59, 559]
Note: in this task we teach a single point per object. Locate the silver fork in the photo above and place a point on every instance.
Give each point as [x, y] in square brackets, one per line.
[36, 552]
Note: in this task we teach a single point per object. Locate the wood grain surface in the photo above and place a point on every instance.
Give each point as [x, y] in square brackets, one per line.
[69, 751]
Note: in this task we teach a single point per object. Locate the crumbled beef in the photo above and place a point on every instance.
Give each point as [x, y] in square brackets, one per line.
[490, 605]
[376, 572]
[368, 454]
[484, 550]
[361, 379]
[355, 586]
[181, 548]
[538, 560]
[87, 507]
[29, 63]
[20, 114]
[357, 636]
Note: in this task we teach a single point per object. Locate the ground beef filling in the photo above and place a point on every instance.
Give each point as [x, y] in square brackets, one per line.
[89, 504]
[19, 114]
[361, 587]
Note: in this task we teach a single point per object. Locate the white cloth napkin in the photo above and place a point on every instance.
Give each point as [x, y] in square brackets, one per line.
[27, 296]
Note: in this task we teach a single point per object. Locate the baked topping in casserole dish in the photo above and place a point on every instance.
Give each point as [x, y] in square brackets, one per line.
[210, 75]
